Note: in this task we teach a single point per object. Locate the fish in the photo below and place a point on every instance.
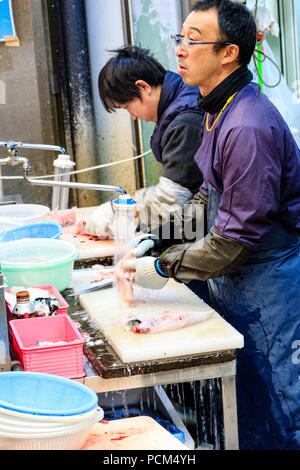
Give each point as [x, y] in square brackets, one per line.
[127, 321]
[103, 272]
[46, 306]
[64, 218]
[167, 321]
[45, 344]
[124, 281]
[78, 228]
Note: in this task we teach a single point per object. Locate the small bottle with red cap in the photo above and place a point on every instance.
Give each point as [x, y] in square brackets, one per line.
[24, 308]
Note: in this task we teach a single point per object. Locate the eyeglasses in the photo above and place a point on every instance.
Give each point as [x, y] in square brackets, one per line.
[186, 43]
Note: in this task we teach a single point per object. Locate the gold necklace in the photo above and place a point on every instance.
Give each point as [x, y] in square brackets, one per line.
[217, 118]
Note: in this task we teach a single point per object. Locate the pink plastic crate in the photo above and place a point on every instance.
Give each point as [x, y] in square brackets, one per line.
[65, 360]
[52, 291]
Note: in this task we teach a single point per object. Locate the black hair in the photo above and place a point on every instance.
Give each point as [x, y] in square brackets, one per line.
[236, 24]
[116, 81]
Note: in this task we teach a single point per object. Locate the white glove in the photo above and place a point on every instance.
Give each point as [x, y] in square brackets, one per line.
[157, 202]
[145, 272]
[101, 222]
[141, 244]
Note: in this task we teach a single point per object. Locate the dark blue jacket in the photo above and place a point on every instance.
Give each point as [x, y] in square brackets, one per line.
[177, 134]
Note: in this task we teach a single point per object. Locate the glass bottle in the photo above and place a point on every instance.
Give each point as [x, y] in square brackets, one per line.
[24, 308]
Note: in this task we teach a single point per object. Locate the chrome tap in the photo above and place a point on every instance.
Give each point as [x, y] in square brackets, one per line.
[14, 159]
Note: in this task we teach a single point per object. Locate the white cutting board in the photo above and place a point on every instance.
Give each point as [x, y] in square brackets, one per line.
[214, 334]
[87, 248]
[138, 433]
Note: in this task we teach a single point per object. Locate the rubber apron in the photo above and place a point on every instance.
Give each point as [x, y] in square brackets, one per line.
[261, 299]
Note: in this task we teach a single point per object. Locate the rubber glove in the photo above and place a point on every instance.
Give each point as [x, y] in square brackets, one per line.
[146, 272]
[101, 222]
[141, 244]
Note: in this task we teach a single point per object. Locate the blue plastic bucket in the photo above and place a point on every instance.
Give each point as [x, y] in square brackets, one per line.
[40, 230]
[44, 394]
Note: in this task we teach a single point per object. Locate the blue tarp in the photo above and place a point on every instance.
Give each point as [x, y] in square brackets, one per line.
[7, 27]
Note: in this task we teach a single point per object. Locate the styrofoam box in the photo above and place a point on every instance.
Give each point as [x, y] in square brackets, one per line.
[63, 359]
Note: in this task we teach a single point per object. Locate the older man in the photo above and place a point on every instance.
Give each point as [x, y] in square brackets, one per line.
[251, 255]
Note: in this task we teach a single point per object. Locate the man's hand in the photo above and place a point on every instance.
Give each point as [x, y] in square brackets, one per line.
[101, 222]
[141, 244]
[145, 273]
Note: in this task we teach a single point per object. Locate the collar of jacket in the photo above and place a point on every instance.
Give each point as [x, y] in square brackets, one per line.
[214, 102]
[175, 98]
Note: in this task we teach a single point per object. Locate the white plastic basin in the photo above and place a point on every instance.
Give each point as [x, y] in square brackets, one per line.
[23, 214]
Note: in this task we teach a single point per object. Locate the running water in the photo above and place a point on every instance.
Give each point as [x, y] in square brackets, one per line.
[199, 405]
[124, 231]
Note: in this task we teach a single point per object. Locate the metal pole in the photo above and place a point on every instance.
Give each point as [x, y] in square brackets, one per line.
[68, 184]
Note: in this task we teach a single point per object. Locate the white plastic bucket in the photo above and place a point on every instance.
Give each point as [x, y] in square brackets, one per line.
[20, 417]
[29, 426]
[69, 438]
[22, 431]
[23, 214]
[73, 441]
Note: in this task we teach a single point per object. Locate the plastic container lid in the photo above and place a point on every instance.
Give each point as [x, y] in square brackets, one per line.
[41, 252]
[125, 201]
[63, 161]
[44, 394]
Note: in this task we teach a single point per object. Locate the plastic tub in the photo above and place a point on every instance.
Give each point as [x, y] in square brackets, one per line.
[44, 394]
[69, 441]
[6, 224]
[44, 430]
[30, 418]
[65, 360]
[69, 437]
[23, 214]
[28, 422]
[41, 230]
[39, 262]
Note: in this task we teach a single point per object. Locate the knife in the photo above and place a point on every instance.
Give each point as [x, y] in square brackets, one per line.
[90, 289]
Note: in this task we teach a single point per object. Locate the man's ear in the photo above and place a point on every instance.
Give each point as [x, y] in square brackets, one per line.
[143, 86]
[231, 53]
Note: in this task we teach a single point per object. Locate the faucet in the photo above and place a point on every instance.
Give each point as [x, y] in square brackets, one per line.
[14, 159]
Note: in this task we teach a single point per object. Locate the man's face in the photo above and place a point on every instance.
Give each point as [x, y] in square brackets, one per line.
[136, 109]
[199, 65]
[144, 108]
